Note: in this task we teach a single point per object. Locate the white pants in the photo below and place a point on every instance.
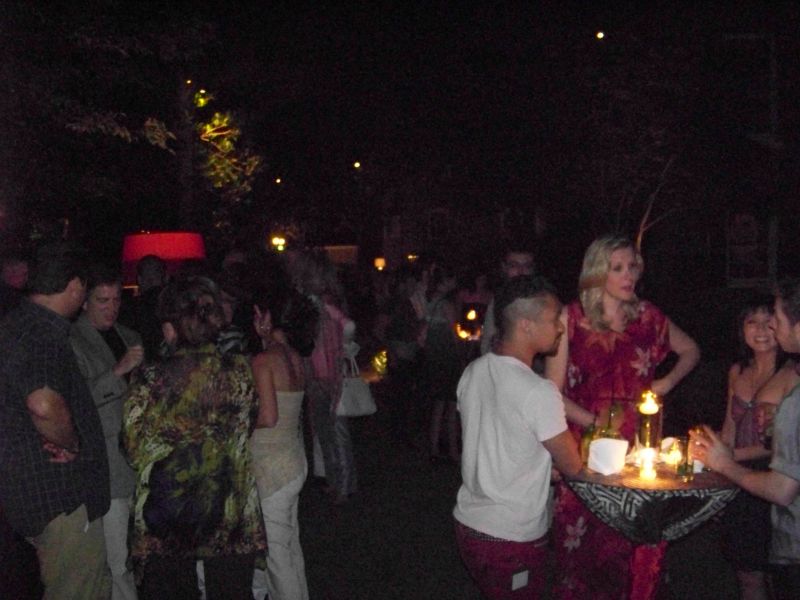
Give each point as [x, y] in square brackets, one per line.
[285, 577]
[115, 530]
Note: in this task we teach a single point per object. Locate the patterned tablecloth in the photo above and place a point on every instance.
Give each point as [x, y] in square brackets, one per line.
[649, 511]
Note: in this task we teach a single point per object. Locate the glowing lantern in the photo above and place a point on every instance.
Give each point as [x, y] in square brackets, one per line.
[173, 247]
[380, 263]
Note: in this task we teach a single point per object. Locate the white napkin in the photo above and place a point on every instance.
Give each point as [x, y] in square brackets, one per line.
[607, 456]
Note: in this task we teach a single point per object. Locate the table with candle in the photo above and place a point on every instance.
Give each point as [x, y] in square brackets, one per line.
[653, 499]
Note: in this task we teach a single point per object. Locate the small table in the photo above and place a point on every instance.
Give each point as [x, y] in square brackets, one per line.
[651, 511]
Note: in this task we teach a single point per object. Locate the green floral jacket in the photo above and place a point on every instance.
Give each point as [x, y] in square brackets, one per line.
[186, 426]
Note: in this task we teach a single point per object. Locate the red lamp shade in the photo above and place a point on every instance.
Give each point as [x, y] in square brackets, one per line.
[172, 246]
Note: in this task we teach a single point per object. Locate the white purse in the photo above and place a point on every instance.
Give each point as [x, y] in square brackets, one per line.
[356, 399]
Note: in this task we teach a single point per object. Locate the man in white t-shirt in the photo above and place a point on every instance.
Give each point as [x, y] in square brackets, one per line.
[514, 432]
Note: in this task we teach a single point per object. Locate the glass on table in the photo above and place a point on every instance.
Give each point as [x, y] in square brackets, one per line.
[695, 434]
[684, 466]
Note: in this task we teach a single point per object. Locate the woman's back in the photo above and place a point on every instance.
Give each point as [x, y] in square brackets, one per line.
[278, 452]
[180, 413]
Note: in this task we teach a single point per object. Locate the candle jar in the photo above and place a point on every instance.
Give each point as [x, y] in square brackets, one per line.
[647, 468]
[650, 420]
[695, 433]
[684, 467]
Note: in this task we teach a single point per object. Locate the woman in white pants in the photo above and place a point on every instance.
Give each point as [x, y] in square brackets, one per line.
[286, 322]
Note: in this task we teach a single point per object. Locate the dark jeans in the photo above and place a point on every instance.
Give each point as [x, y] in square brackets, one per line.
[227, 577]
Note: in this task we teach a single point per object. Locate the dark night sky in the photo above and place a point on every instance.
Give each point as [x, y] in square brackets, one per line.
[488, 94]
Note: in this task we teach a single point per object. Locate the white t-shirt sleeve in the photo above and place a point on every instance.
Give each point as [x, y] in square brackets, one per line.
[545, 408]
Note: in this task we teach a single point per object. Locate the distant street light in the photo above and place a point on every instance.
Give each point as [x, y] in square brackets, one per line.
[356, 165]
[279, 243]
[277, 180]
[600, 35]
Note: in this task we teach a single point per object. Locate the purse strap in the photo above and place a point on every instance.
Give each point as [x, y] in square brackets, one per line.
[350, 367]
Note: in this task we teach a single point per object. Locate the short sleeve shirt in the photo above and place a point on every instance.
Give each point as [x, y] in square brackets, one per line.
[35, 353]
[785, 547]
[507, 411]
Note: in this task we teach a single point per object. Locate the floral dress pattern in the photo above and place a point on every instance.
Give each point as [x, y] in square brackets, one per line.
[186, 428]
[604, 367]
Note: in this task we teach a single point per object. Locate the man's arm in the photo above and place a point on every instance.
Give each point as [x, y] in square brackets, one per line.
[773, 486]
[770, 485]
[564, 451]
[51, 418]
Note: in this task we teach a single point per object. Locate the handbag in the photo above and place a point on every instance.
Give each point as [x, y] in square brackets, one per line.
[356, 399]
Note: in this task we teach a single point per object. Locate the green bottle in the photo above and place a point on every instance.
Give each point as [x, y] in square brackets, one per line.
[589, 433]
[615, 417]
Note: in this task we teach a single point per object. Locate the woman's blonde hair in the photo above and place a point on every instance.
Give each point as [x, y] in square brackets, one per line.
[596, 264]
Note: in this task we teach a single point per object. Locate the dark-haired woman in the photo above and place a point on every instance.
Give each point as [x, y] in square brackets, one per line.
[287, 326]
[756, 384]
[187, 424]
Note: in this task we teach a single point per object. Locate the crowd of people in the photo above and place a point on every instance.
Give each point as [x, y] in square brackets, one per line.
[165, 431]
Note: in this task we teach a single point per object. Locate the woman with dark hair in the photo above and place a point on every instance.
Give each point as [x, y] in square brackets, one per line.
[614, 341]
[286, 323]
[187, 423]
[757, 382]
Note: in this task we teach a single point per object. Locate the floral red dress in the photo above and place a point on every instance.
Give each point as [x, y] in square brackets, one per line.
[594, 560]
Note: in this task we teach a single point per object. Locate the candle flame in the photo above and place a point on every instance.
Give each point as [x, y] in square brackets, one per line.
[649, 406]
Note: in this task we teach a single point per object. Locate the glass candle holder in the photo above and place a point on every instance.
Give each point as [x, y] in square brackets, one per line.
[685, 467]
[650, 419]
[647, 469]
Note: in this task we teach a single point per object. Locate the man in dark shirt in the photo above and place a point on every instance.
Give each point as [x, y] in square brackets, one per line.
[54, 483]
[107, 352]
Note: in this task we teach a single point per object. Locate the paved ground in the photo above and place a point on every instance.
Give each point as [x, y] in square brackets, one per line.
[395, 540]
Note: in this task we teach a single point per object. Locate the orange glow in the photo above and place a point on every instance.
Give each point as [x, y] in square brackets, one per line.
[169, 245]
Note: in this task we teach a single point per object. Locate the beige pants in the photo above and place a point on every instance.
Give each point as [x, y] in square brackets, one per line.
[72, 558]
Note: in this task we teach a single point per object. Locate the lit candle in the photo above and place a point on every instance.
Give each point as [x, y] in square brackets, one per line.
[647, 469]
[649, 421]
[649, 406]
[674, 455]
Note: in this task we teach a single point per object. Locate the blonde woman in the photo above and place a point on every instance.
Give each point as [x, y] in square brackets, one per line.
[613, 345]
